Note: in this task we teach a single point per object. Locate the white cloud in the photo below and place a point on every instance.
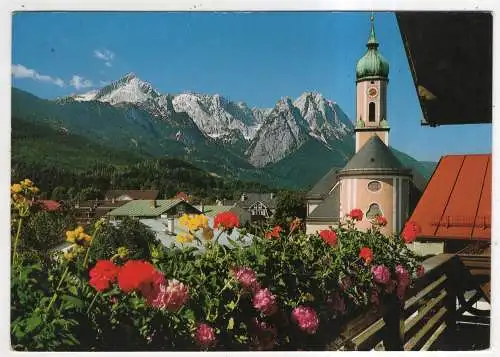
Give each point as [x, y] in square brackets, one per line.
[80, 82]
[108, 64]
[104, 83]
[20, 71]
[105, 55]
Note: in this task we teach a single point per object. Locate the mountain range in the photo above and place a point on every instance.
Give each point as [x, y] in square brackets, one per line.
[290, 145]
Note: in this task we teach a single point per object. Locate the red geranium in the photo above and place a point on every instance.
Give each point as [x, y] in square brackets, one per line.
[103, 274]
[367, 254]
[274, 233]
[226, 221]
[139, 275]
[356, 214]
[410, 231]
[329, 237]
[381, 221]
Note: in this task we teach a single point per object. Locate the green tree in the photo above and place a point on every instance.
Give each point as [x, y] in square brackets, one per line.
[129, 233]
[44, 230]
[89, 193]
[59, 193]
[289, 204]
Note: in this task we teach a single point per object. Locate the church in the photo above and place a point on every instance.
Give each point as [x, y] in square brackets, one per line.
[373, 180]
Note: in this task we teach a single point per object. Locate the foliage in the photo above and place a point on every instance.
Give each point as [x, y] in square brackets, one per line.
[288, 206]
[55, 161]
[282, 291]
[129, 233]
[44, 230]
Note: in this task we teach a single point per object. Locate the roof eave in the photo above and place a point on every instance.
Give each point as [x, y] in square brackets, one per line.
[374, 171]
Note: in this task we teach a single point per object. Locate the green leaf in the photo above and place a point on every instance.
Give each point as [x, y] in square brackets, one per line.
[32, 323]
[231, 306]
[230, 324]
[73, 301]
[73, 290]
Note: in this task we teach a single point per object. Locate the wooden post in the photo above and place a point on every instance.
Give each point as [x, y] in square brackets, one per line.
[394, 324]
[453, 288]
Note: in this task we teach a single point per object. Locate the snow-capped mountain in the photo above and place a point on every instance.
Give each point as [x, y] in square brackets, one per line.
[325, 118]
[261, 136]
[128, 89]
[283, 131]
[216, 116]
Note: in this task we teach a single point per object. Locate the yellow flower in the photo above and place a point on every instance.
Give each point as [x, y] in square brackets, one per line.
[208, 233]
[78, 236]
[201, 221]
[122, 252]
[71, 236]
[183, 237]
[34, 189]
[83, 239]
[184, 220]
[194, 222]
[16, 188]
[27, 182]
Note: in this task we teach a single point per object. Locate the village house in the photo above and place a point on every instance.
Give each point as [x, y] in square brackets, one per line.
[162, 217]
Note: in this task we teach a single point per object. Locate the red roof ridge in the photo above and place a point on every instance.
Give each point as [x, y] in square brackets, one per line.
[476, 154]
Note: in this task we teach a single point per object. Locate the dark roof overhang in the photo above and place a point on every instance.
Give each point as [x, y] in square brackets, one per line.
[450, 58]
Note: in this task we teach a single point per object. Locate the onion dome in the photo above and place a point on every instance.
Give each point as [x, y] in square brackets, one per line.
[372, 65]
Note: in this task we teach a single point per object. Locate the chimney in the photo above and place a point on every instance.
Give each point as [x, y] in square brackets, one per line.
[243, 197]
[202, 207]
[113, 200]
[272, 195]
[170, 225]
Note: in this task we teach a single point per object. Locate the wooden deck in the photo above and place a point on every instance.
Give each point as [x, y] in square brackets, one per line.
[439, 313]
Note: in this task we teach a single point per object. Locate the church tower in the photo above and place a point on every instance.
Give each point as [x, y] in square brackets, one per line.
[372, 72]
[373, 180]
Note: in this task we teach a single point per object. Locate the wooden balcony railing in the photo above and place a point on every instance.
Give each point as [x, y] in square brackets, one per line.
[432, 308]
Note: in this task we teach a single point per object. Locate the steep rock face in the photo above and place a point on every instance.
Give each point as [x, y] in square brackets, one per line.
[325, 118]
[216, 116]
[283, 131]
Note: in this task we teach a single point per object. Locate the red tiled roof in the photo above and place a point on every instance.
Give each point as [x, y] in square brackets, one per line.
[456, 203]
[49, 205]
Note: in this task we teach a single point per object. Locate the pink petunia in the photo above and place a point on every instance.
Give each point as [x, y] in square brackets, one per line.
[381, 274]
[205, 335]
[306, 319]
[265, 302]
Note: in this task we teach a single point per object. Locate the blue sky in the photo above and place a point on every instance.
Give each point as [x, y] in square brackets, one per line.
[253, 57]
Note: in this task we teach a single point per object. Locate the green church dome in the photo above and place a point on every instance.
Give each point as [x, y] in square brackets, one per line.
[372, 64]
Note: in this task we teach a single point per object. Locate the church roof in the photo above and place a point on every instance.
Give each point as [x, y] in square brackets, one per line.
[329, 209]
[372, 64]
[374, 156]
[324, 185]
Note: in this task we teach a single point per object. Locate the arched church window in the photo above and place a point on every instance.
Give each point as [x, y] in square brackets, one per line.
[373, 211]
[371, 112]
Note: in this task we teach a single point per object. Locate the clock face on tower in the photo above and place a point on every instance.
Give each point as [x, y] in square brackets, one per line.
[372, 92]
